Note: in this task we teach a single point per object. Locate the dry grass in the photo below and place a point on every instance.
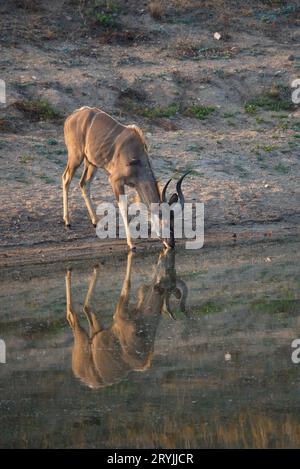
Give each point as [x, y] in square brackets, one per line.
[181, 77]
[4, 125]
[131, 97]
[126, 37]
[186, 47]
[29, 5]
[38, 110]
[165, 124]
[246, 430]
[156, 9]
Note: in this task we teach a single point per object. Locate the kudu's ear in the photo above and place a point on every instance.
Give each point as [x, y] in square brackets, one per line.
[173, 199]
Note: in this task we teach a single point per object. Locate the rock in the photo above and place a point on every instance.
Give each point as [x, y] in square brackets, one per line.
[291, 57]
[217, 36]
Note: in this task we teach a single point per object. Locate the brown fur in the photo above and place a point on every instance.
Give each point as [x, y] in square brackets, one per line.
[100, 141]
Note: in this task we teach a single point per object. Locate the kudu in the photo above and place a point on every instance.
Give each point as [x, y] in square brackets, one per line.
[103, 357]
[100, 141]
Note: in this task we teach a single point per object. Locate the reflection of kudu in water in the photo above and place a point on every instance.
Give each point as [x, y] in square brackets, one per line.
[105, 356]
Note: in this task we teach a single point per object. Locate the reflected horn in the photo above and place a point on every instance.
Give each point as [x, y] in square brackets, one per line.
[184, 293]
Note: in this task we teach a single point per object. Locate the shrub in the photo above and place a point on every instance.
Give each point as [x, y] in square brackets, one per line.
[38, 110]
[199, 111]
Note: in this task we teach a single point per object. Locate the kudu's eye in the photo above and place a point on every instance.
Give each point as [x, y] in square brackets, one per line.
[134, 163]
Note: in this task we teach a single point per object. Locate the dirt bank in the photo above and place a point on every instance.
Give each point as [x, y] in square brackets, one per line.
[221, 108]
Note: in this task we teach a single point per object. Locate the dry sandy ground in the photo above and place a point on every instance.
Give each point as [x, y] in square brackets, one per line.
[244, 156]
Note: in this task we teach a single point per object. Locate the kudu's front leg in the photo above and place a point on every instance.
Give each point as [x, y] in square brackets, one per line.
[118, 188]
[124, 296]
[126, 283]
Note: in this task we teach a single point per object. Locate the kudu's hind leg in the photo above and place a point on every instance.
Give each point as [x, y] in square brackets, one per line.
[84, 184]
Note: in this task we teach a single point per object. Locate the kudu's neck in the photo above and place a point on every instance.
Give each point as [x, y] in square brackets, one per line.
[143, 178]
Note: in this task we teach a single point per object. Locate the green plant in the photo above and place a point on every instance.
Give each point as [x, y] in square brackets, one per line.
[260, 120]
[276, 98]
[26, 159]
[199, 111]
[105, 19]
[52, 141]
[281, 168]
[46, 179]
[269, 148]
[243, 172]
[103, 13]
[168, 111]
[283, 125]
[209, 307]
[194, 172]
[250, 108]
[228, 115]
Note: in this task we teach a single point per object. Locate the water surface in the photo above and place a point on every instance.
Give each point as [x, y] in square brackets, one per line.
[188, 352]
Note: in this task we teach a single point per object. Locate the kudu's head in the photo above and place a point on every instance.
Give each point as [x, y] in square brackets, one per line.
[176, 197]
[168, 283]
[140, 175]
